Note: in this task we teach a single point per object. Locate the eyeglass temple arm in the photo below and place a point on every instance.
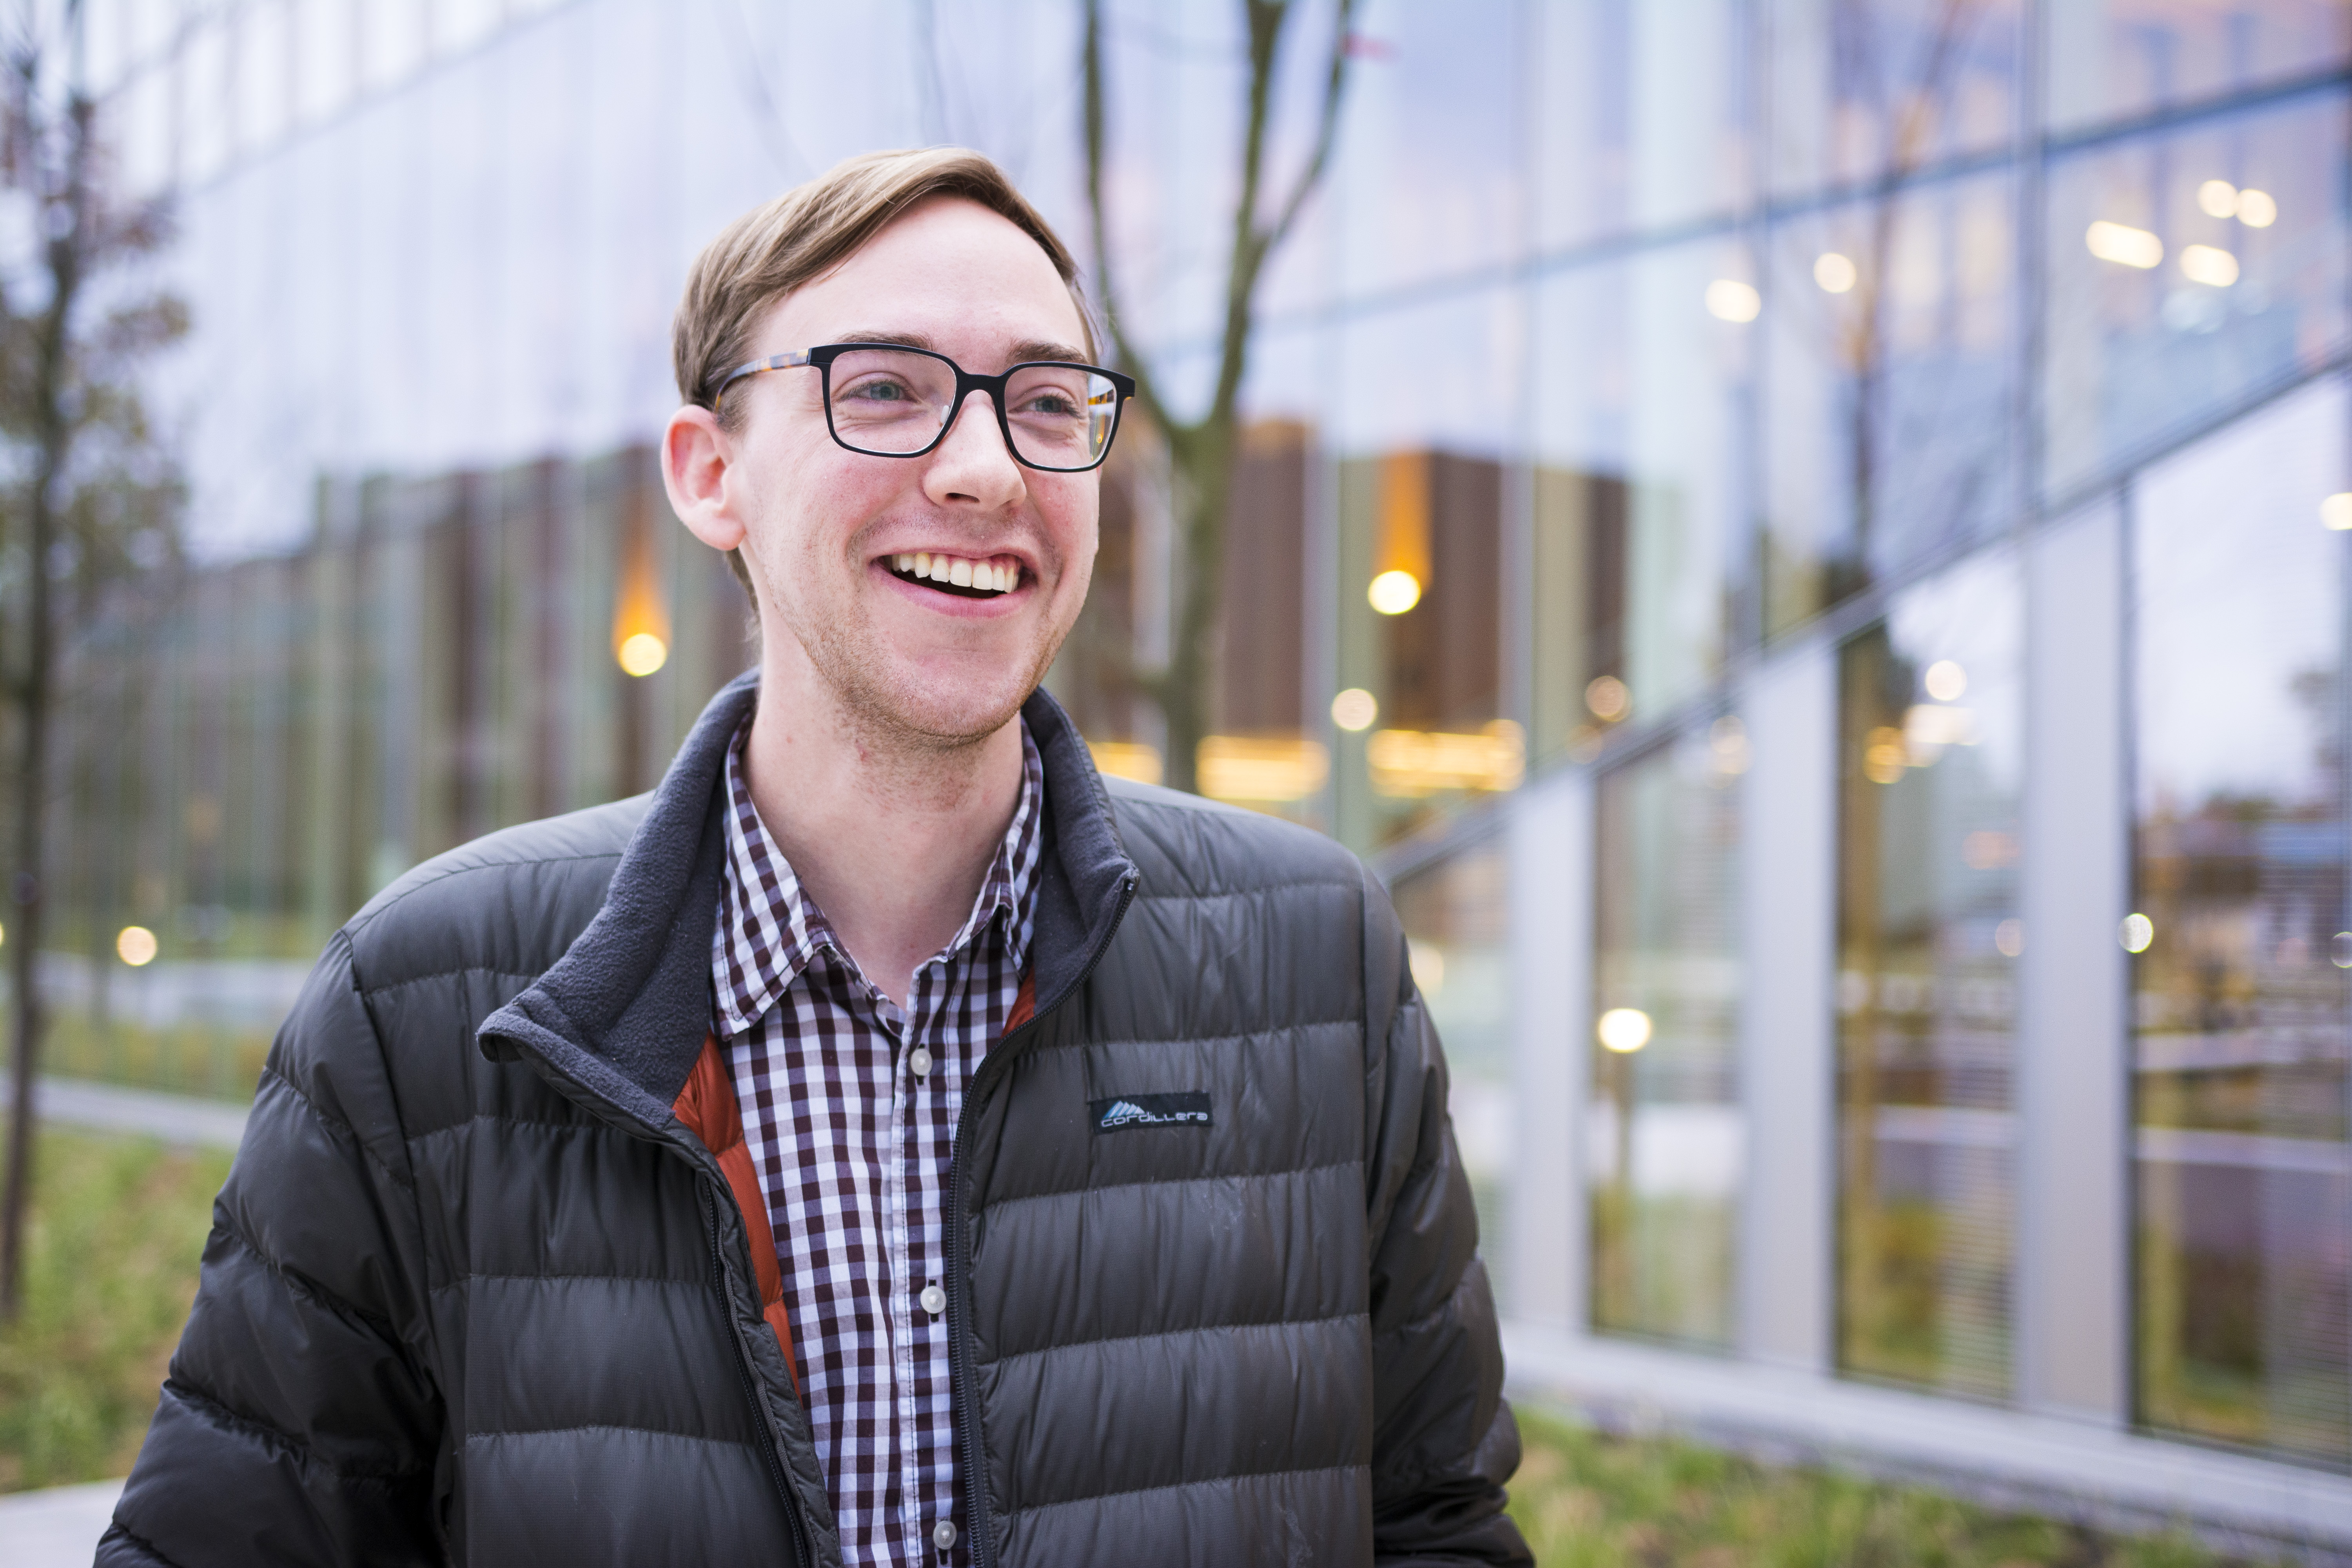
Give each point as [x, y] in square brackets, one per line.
[791, 359]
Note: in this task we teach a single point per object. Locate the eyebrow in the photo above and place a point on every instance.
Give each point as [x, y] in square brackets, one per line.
[1033, 349]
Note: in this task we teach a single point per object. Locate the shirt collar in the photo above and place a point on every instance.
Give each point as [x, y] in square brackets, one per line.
[770, 927]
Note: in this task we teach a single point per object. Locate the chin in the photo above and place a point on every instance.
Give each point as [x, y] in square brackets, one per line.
[949, 711]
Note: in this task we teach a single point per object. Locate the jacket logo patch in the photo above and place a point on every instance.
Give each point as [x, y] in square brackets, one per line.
[1126, 1110]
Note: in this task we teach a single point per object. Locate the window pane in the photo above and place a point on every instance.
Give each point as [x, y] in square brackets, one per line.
[1893, 384]
[1428, 177]
[2109, 60]
[1864, 89]
[2245, 1181]
[2188, 272]
[1666, 1143]
[1928, 935]
[1420, 580]
[1455, 916]
[1640, 399]
[1640, 119]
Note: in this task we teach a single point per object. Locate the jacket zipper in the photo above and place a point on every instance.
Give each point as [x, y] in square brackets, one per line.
[802, 1553]
[962, 1393]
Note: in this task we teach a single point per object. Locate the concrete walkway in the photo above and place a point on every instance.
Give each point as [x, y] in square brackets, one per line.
[110, 1107]
[55, 1528]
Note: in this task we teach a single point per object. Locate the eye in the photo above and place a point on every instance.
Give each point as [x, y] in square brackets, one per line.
[879, 389]
[1052, 403]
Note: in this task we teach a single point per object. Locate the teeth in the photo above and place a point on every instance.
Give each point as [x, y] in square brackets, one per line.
[989, 576]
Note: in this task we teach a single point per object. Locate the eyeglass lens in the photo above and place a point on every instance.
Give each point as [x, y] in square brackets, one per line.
[892, 402]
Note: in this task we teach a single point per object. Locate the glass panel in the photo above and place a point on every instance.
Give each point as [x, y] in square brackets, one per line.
[1640, 115]
[1428, 177]
[1420, 579]
[1888, 87]
[1456, 918]
[2110, 60]
[1666, 1140]
[1641, 408]
[1892, 382]
[2244, 1176]
[1930, 750]
[2188, 272]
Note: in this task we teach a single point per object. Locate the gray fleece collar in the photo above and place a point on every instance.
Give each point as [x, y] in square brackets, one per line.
[624, 1012]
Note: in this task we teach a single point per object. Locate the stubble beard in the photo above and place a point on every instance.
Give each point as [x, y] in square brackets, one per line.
[880, 703]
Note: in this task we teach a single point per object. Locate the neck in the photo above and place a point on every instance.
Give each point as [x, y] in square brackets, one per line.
[890, 834]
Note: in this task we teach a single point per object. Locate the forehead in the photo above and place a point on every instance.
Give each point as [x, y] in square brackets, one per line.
[948, 270]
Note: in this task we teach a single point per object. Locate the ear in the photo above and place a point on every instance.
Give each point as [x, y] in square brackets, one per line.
[697, 458]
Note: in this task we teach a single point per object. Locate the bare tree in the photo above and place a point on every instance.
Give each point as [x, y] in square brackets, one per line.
[1200, 450]
[87, 493]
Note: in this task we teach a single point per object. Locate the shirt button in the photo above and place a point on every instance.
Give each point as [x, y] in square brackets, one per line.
[920, 1061]
[944, 1534]
[934, 1301]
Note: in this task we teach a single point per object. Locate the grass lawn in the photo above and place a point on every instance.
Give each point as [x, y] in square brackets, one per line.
[117, 1227]
[119, 1223]
[1586, 1500]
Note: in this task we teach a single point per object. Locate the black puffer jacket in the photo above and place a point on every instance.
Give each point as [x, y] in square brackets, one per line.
[496, 1304]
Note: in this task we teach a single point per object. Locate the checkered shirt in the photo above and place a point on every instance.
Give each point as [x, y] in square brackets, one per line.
[852, 1146]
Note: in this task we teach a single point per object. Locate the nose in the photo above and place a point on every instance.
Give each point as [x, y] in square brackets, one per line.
[974, 465]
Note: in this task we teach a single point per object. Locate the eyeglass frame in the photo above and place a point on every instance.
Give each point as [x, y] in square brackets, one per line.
[821, 357]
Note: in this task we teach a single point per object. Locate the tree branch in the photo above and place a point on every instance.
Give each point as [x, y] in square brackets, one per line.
[1327, 128]
[1146, 390]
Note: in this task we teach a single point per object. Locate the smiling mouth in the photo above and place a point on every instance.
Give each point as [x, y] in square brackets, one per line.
[965, 576]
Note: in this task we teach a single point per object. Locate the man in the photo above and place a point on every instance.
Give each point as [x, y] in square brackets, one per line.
[886, 1142]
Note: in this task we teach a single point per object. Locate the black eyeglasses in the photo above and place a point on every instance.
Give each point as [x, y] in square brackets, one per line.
[892, 402]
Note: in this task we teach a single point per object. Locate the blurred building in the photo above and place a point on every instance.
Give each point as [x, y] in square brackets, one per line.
[1808, 541]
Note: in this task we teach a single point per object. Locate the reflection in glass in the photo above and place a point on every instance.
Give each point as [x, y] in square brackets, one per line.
[1665, 1137]
[2112, 59]
[1892, 384]
[2173, 296]
[1865, 91]
[1455, 915]
[1928, 934]
[2240, 994]
[1640, 490]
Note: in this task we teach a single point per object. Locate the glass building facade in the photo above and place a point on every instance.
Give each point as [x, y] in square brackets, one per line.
[1861, 761]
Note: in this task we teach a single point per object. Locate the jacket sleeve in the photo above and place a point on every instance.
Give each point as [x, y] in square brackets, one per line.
[297, 1424]
[1443, 1440]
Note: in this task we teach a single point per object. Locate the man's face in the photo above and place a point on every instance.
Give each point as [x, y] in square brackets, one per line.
[825, 527]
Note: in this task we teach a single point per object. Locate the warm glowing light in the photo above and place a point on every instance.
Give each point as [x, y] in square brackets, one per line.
[2136, 932]
[135, 945]
[1411, 764]
[1945, 681]
[1270, 770]
[1354, 710]
[1126, 760]
[2256, 210]
[2336, 511]
[1394, 593]
[2009, 938]
[2218, 197]
[1728, 300]
[1727, 739]
[1607, 696]
[1623, 1030]
[2121, 243]
[643, 654]
[1428, 965]
[1835, 273]
[1885, 757]
[2204, 264]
